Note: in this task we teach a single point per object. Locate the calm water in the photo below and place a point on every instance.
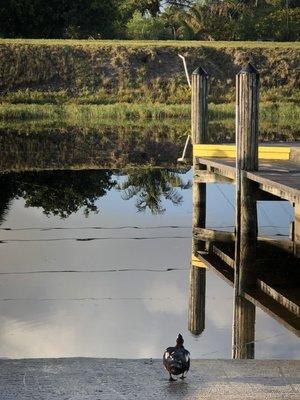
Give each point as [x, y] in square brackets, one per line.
[96, 264]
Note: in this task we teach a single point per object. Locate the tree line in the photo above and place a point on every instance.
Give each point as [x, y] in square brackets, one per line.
[277, 20]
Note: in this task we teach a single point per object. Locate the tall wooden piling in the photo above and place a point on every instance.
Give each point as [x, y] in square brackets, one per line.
[247, 99]
[199, 125]
[247, 96]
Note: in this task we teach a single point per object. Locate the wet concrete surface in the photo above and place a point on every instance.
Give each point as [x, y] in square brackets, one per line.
[114, 379]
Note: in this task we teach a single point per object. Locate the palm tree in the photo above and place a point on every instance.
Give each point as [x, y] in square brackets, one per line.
[150, 186]
[211, 19]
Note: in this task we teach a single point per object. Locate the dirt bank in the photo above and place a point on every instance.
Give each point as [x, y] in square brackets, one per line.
[129, 72]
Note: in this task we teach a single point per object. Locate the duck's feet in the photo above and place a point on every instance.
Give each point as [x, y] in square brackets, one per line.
[171, 379]
[182, 377]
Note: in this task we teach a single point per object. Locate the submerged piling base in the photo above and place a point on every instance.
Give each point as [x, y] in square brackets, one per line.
[114, 379]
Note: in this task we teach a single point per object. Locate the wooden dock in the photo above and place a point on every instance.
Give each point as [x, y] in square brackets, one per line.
[264, 272]
[280, 178]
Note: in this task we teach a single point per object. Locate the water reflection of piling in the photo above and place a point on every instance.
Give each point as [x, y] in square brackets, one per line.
[197, 300]
[296, 230]
[197, 290]
[199, 122]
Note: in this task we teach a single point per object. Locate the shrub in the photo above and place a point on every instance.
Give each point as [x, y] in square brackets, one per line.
[146, 27]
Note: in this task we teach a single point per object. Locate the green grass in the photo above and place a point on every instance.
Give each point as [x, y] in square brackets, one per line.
[153, 43]
[276, 113]
[276, 123]
[144, 95]
[272, 111]
[83, 113]
[281, 118]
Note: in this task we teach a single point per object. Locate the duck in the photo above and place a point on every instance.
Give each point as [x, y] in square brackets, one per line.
[176, 359]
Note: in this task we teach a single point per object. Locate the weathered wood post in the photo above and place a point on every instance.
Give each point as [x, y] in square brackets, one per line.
[247, 83]
[199, 109]
[199, 124]
[247, 99]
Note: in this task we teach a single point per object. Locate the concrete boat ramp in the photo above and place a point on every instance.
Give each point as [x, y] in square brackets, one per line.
[116, 379]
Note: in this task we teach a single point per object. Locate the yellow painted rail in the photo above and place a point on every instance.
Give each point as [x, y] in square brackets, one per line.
[198, 263]
[229, 151]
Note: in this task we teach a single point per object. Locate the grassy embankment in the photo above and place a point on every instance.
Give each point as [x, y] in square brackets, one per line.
[153, 43]
[87, 83]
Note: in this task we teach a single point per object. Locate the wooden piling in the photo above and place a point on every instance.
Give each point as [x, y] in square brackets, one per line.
[199, 113]
[247, 86]
[199, 128]
[244, 329]
[247, 98]
[199, 124]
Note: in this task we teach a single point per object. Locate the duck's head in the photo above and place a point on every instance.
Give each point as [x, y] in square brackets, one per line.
[179, 340]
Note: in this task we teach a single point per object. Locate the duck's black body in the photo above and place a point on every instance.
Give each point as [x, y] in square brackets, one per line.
[177, 359]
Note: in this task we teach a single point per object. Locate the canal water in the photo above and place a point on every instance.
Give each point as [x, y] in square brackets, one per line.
[96, 263]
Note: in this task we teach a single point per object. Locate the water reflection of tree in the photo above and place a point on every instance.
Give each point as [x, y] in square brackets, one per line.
[151, 185]
[7, 192]
[62, 193]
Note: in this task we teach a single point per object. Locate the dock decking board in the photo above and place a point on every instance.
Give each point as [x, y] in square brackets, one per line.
[278, 177]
